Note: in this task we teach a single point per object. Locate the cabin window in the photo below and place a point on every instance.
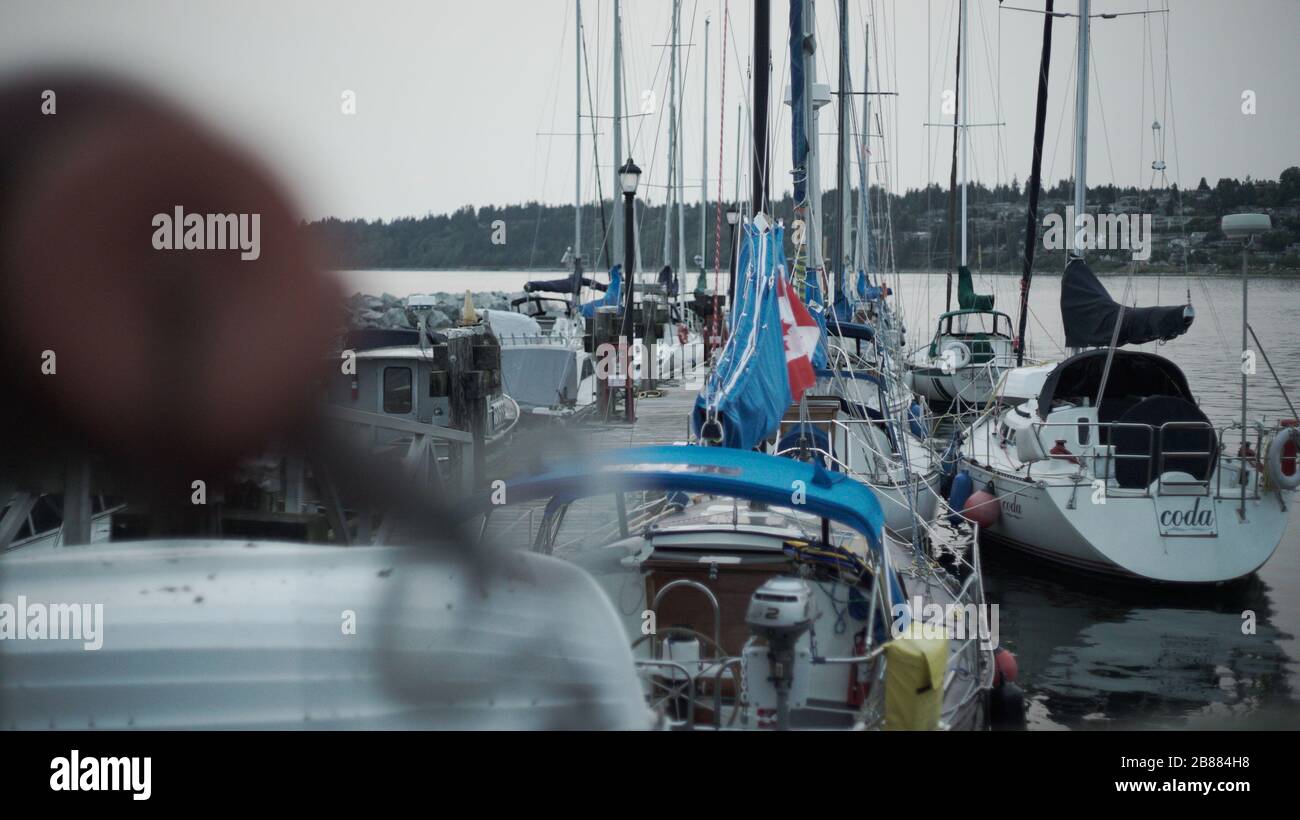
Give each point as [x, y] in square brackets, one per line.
[397, 390]
[1083, 430]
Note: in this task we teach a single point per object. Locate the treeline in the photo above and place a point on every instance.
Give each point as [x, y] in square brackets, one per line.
[534, 236]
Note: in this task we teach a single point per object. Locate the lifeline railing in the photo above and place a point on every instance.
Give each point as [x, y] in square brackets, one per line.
[679, 680]
[885, 466]
[1095, 464]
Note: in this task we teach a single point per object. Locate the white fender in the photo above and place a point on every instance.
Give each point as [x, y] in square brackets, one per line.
[1276, 449]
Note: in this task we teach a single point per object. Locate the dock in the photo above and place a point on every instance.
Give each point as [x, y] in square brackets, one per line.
[662, 417]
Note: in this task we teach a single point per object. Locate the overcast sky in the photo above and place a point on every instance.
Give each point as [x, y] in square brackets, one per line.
[454, 100]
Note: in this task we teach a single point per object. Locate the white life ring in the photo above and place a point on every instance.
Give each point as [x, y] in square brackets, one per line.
[960, 354]
[1277, 452]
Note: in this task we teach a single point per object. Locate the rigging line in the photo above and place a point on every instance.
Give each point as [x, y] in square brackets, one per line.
[888, 190]
[634, 139]
[999, 146]
[928, 170]
[1178, 175]
[952, 177]
[1165, 99]
[1105, 131]
[650, 164]
[746, 101]
[1142, 84]
[1066, 105]
[595, 150]
[546, 167]
[775, 121]
[729, 33]
[722, 146]
[681, 143]
[1046, 332]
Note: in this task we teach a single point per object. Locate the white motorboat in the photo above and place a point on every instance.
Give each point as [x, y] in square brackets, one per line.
[250, 634]
[547, 372]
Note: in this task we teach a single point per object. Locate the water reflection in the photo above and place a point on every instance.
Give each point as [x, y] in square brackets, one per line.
[1102, 654]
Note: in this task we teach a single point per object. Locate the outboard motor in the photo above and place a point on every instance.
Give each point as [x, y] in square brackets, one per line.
[781, 612]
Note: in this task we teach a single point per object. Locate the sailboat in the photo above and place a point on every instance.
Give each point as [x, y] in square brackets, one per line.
[973, 345]
[860, 417]
[753, 587]
[1105, 462]
[679, 344]
[746, 609]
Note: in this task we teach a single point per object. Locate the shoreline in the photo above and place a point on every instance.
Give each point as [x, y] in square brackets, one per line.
[1288, 273]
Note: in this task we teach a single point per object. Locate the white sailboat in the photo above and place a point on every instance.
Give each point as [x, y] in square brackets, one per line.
[973, 345]
[745, 611]
[1106, 463]
[860, 417]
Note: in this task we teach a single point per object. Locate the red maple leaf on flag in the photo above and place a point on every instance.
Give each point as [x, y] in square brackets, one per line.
[801, 335]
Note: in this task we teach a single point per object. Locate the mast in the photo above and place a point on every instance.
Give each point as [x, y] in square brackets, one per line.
[864, 166]
[616, 241]
[814, 227]
[704, 153]
[952, 176]
[841, 153]
[577, 155]
[762, 75]
[672, 136]
[1035, 181]
[963, 56]
[679, 147]
[1081, 127]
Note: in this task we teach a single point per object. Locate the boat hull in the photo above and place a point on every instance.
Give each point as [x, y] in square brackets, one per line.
[967, 385]
[1123, 536]
[923, 487]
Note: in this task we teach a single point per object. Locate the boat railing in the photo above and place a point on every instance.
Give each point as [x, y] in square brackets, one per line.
[1099, 461]
[678, 681]
[834, 461]
[886, 462]
[536, 339]
[441, 456]
[687, 583]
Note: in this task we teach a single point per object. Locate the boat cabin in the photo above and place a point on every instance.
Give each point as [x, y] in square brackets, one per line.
[987, 334]
[429, 384]
[1145, 424]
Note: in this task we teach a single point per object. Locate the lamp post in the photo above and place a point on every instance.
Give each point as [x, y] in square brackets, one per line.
[628, 177]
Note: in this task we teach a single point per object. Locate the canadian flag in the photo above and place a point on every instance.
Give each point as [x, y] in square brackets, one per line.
[801, 337]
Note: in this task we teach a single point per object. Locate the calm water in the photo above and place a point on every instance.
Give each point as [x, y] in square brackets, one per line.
[1097, 654]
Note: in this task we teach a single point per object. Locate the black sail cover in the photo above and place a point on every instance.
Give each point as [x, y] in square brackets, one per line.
[564, 285]
[1089, 314]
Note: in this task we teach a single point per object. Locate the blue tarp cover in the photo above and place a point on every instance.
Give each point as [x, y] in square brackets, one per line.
[748, 389]
[610, 299]
[714, 470]
[798, 128]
